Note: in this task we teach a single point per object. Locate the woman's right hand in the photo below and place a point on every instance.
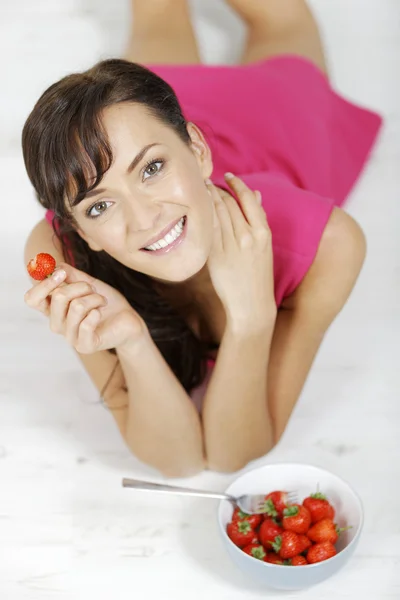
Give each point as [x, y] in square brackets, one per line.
[89, 313]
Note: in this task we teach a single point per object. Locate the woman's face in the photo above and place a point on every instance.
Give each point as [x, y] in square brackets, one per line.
[152, 211]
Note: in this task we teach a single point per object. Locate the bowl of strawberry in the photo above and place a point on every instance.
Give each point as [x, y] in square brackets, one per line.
[317, 533]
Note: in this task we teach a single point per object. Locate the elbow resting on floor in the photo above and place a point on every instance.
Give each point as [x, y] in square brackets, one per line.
[228, 464]
[172, 469]
[185, 469]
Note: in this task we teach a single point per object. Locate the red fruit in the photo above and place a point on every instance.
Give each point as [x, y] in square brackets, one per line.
[268, 531]
[287, 545]
[296, 518]
[273, 559]
[275, 503]
[325, 531]
[241, 533]
[320, 552]
[306, 542]
[256, 551]
[319, 507]
[254, 520]
[41, 266]
[298, 561]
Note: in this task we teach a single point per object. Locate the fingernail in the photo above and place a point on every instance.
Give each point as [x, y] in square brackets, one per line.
[58, 275]
[229, 176]
[259, 197]
[208, 181]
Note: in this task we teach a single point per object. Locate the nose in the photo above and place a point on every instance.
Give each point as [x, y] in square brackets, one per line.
[142, 215]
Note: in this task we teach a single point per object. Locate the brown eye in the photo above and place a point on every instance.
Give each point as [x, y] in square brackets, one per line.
[153, 169]
[99, 208]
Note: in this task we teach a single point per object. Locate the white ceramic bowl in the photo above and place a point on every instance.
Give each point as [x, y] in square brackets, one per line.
[303, 479]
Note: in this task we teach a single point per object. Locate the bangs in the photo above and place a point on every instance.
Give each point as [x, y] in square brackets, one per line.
[87, 156]
[74, 159]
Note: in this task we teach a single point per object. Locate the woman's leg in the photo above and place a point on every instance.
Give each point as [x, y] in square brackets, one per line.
[162, 33]
[280, 27]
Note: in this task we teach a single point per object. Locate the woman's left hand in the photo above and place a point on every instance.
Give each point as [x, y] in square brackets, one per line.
[241, 260]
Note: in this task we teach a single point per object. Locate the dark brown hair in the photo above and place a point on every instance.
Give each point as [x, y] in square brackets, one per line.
[66, 154]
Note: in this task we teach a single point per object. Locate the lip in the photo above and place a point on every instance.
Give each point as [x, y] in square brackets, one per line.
[171, 246]
[160, 235]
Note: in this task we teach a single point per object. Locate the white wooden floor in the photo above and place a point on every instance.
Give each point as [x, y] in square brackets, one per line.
[67, 528]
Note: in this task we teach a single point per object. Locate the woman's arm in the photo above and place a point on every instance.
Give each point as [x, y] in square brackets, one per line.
[257, 382]
[305, 316]
[156, 417]
[162, 425]
[236, 421]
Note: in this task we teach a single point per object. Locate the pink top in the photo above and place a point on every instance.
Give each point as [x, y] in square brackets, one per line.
[279, 125]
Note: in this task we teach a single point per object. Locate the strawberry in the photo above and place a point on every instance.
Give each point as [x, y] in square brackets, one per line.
[296, 518]
[325, 531]
[275, 503]
[254, 520]
[320, 552]
[256, 551]
[319, 507]
[41, 266]
[273, 559]
[298, 561]
[241, 533]
[306, 542]
[287, 545]
[268, 531]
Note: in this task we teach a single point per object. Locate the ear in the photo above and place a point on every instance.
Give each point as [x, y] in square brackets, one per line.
[201, 150]
[89, 241]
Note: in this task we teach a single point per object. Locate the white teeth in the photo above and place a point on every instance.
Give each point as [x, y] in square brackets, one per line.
[169, 238]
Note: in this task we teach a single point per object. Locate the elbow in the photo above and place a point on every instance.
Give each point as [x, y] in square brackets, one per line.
[232, 464]
[168, 466]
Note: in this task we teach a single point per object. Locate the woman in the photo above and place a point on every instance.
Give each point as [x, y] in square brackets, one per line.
[197, 307]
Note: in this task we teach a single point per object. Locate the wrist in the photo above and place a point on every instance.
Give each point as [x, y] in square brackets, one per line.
[134, 343]
[252, 325]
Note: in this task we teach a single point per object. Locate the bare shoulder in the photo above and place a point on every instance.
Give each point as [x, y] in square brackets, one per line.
[43, 239]
[335, 269]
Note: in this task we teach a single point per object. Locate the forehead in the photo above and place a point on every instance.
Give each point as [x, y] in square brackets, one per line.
[133, 124]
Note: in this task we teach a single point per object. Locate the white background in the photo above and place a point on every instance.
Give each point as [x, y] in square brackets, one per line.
[67, 528]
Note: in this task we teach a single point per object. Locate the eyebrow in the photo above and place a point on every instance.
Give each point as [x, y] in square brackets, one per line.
[131, 167]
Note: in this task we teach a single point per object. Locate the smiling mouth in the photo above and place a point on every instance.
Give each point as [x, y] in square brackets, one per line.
[170, 240]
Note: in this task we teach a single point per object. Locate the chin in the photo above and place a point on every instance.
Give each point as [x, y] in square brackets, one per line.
[183, 272]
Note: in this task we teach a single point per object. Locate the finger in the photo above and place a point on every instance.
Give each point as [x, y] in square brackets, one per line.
[249, 201]
[88, 339]
[38, 296]
[223, 215]
[74, 275]
[78, 310]
[95, 335]
[217, 232]
[239, 223]
[60, 299]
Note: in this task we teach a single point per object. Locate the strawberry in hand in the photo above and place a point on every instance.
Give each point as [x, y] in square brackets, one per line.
[41, 266]
[89, 313]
